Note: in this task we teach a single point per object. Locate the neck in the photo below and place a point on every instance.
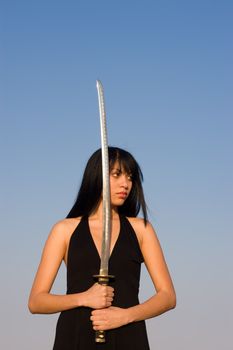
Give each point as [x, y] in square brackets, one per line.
[98, 213]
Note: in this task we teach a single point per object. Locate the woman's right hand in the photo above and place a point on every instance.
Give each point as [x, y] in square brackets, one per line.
[98, 296]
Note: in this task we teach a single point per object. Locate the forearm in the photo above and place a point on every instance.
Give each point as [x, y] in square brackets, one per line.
[46, 303]
[96, 297]
[155, 306]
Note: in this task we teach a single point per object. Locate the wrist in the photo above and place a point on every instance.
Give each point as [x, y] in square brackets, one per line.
[129, 315]
[134, 313]
[80, 299]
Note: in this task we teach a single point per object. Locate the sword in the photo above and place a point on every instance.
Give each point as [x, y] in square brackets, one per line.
[103, 277]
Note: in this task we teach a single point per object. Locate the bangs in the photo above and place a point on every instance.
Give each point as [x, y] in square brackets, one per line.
[126, 162]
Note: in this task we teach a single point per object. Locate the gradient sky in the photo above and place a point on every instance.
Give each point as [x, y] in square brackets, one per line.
[167, 71]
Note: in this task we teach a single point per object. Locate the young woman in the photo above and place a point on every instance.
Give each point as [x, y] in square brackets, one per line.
[89, 306]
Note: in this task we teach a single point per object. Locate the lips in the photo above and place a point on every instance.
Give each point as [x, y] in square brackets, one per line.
[122, 195]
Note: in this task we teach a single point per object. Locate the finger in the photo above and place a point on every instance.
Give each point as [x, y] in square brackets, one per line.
[96, 312]
[100, 328]
[95, 321]
[110, 292]
[109, 295]
[98, 323]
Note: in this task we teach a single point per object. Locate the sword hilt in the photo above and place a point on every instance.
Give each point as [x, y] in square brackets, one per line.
[104, 281]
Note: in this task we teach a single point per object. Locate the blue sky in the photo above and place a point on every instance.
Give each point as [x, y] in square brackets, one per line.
[167, 71]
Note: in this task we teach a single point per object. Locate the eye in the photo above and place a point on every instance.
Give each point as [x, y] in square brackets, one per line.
[116, 173]
[130, 177]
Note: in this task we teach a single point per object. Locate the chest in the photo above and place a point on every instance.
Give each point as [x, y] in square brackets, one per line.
[96, 232]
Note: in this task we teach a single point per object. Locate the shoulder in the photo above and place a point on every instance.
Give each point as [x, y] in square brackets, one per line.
[143, 232]
[148, 241]
[63, 229]
[65, 226]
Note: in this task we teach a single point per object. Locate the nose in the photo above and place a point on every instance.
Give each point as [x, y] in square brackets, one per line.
[124, 181]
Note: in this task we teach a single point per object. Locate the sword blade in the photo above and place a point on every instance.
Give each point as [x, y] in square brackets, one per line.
[106, 238]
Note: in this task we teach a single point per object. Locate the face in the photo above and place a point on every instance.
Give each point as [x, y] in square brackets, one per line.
[120, 185]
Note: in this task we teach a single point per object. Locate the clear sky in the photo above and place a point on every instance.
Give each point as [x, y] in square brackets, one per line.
[167, 71]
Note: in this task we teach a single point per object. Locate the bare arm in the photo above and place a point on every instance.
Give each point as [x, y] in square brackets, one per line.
[41, 300]
[164, 298]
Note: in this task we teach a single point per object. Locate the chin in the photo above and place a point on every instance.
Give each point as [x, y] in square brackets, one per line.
[118, 203]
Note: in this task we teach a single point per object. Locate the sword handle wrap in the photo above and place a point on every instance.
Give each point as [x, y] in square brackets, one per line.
[104, 281]
[100, 337]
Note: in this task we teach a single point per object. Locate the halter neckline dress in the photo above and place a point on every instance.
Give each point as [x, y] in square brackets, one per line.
[74, 329]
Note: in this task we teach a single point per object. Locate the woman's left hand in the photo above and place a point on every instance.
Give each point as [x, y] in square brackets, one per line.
[108, 318]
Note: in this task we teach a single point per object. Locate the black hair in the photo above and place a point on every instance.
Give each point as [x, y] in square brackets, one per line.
[90, 190]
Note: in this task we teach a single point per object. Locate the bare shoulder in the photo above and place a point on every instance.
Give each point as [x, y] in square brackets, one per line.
[63, 229]
[149, 243]
[66, 224]
[143, 232]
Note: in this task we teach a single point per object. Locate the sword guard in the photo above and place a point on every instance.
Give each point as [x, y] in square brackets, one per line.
[104, 280]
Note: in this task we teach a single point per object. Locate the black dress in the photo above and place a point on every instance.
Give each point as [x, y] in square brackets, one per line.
[74, 329]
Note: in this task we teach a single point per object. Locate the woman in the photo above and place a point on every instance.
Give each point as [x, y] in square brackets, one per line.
[89, 306]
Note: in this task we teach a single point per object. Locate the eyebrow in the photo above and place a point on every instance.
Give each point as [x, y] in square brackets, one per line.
[122, 171]
[116, 169]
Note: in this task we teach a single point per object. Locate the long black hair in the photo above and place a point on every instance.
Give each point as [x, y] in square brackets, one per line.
[90, 191]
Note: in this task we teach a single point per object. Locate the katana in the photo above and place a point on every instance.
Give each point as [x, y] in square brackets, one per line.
[103, 277]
